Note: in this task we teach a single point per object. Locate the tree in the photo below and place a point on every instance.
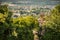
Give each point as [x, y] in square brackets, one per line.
[5, 22]
[24, 27]
[53, 24]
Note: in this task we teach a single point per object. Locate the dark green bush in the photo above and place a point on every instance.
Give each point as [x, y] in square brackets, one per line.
[51, 34]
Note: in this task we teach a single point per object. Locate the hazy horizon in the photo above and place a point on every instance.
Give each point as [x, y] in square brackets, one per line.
[33, 2]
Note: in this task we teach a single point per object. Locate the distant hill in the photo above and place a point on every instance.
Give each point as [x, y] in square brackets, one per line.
[34, 2]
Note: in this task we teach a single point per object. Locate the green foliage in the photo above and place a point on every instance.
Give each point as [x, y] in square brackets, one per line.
[53, 25]
[16, 28]
[3, 9]
[51, 34]
[3, 16]
[20, 28]
[24, 27]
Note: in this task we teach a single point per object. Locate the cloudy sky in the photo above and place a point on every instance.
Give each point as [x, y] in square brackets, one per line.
[49, 2]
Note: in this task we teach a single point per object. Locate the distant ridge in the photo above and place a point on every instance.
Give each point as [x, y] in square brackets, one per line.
[33, 2]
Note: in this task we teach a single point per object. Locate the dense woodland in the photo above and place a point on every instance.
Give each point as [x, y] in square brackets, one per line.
[20, 28]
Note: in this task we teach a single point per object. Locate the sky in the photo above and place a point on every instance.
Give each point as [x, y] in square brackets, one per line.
[35, 2]
[27, 0]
